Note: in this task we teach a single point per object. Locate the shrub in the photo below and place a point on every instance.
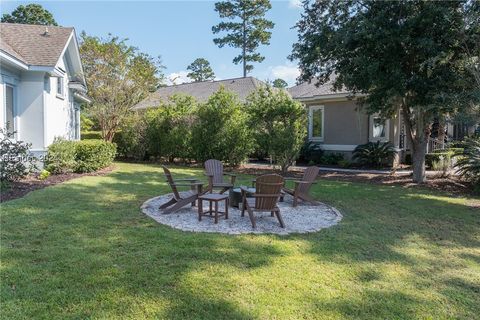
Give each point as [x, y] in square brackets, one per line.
[131, 139]
[468, 161]
[169, 128]
[61, 156]
[311, 153]
[331, 158]
[374, 154]
[65, 156]
[437, 158]
[89, 135]
[44, 174]
[15, 159]
[279, 124]
[92, 155]
[221, 130]
[344, 163]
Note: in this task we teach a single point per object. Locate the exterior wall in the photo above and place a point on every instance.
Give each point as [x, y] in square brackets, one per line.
[30, 109]
[346, 125]
[59, 110]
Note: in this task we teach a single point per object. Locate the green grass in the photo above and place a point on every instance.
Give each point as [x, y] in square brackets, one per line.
[83, 249]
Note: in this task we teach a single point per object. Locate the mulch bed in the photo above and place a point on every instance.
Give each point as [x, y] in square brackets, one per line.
[20, 188]
[450, 184]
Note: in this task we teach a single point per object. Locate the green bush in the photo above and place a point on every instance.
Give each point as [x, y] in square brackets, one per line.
[15, 159]
[221, 130]
[65, 156]
[332, 158]
[92, 155]
[278, 123]
[437, 158]
[311, 152]
[89, 135]
[169, 128]
[468, 161]
[44, 174]
[131, 139]
[374, 154]
[61, 157]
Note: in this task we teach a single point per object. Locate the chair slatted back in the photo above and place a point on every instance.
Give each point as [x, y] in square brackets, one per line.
[268, 184]
[309, 175]
[170, 181]
[215, 168]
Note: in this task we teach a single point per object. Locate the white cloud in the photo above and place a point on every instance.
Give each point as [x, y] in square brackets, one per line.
[288, 72]
[295, 4]
[178, 77]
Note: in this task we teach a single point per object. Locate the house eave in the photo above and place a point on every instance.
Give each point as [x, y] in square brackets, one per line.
[330, 97]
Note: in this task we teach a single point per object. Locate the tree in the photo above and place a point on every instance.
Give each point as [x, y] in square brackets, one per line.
[30, 14]
[279, 124]
[246, 28]
[200, 70]
[118, 77]
[220, 130]
[404, 55]
[279, 83]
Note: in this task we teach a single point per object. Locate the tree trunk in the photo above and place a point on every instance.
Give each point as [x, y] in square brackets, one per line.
[244, 47]
[418, 161]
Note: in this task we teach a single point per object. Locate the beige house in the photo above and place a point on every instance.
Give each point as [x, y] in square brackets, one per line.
[338, 124]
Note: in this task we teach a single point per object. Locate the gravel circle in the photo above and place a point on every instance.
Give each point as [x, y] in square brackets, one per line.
[304, 218]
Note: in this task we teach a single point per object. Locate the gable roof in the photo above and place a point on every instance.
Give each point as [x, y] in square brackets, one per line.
[201, 90]
[308, 90]
[31, 45]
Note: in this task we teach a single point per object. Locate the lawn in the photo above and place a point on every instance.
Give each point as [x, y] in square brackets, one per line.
[83, 249]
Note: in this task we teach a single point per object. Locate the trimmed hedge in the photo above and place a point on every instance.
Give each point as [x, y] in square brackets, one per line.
[92, 155]
[90, 135]
[79, 156]
[61, 157]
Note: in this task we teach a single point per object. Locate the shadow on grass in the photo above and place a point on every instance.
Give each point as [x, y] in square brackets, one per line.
[84, 246]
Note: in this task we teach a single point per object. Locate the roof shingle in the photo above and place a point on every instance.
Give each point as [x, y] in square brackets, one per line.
[201, 90]
[310, 90]
[31, 45]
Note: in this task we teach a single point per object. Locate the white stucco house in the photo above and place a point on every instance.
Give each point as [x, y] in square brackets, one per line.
[41, 84]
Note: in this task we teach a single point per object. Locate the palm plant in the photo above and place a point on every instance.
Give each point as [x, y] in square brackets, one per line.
[468, 161]
[374, 154]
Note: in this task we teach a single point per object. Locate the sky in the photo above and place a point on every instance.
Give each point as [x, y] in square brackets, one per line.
[179, 32]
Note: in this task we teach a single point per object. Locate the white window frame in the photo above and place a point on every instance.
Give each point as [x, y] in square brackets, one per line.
[387, 129]
[61, 86]
[15, 125]
[310, 123]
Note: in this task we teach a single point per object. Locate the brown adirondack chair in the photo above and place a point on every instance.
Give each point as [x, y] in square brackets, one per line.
[180, 198]
[265, 198]
[302, 187]
[214, 172]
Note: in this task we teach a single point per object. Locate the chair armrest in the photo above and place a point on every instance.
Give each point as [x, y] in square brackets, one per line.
[189, 179]
[183, 184]
[229, 174]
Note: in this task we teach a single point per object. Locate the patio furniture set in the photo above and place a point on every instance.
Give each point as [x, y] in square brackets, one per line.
[263, 196]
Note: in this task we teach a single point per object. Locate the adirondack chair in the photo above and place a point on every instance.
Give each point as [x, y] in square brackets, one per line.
[265, 198]
[214, 172]
[180, 198]
[302, 187]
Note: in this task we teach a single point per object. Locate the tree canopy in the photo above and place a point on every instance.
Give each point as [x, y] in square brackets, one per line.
[118, 77]
[245, 27]
[279, 83]
[30, 14]
[404, 55]
[200, 70]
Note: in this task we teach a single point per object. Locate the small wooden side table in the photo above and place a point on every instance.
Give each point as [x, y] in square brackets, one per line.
[212, 198]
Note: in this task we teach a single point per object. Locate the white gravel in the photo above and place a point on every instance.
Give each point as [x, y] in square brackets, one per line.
[304, 218]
